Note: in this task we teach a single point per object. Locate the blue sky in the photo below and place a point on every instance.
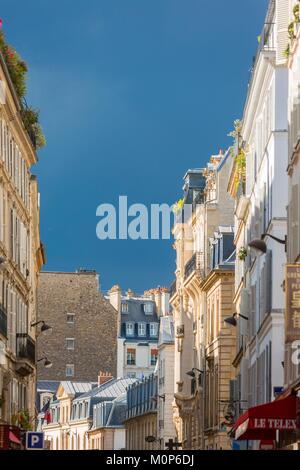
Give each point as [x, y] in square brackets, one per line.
[131, 94]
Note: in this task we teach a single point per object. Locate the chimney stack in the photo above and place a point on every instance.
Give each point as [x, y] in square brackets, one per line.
[130, 293]
[115, 297]
[104, 377]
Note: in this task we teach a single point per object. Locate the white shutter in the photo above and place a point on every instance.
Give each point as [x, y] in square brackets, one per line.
[282, 21]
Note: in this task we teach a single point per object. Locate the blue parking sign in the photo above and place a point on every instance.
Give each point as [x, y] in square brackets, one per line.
[34, 440]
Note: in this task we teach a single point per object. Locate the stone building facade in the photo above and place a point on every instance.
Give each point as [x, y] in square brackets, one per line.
[258, 184]
[21, 258]
[141, 415]
[220, 339]
[205, 190]
[84, 337]
[165, 373]
[138, 326]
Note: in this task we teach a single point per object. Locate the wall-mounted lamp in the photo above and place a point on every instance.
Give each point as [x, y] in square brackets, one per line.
[156, 397]
[47, 363]
[191, 373]
[232, 319]
[260, 246]
[44, 326]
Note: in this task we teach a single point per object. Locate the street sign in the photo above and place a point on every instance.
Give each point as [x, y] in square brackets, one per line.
[34, 440]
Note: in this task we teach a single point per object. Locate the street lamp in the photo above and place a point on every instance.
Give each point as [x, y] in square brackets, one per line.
[259, 244]
[47, 363]
[44, 326]
[232, 319]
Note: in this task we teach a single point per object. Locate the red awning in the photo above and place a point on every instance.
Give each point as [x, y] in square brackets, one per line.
[13, 438]
[262, 421]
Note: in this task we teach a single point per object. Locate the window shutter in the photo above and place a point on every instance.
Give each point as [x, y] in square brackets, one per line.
[282, 21]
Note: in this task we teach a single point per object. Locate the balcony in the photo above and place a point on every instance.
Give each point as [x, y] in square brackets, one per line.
[3, 321]
[25, 352]
[195, 264]
[199, 199]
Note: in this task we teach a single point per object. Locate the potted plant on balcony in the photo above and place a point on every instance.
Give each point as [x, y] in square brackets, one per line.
[286, 51]
[17, 70]
[23, 420]
[242, 254]
[291, 30]
[178, 206]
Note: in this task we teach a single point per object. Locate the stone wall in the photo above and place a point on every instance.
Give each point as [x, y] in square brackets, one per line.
[94, 329]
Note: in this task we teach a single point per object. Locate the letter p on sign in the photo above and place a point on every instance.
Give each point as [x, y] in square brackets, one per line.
[34, 440]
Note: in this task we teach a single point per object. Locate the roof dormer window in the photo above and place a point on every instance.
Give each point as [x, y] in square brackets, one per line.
[124, 307]
[149, 308]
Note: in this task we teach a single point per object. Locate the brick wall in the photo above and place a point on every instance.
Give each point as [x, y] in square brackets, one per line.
[94, 328]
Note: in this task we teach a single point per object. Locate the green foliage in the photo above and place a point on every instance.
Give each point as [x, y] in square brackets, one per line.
[30, 119]
[242, 254]
[16, 66]
[286, 52]
[177, 207]
[296, 12]
[237, 129]
[22, 419]
[291, 30]
[17, 69]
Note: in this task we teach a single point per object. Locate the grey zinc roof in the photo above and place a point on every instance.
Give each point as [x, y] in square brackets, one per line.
[136, 312]
[111, 389]
[118, 412]
[77, 388]
[47, 386]
[166, 330]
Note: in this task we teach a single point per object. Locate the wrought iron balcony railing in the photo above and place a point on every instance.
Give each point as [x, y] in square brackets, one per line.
[195, 263]
[3, 321]
[25, 347]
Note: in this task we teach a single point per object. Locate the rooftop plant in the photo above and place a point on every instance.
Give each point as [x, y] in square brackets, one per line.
[238, 153]
[17, 69]
[177, 206]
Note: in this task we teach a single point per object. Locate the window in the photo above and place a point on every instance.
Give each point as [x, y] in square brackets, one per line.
[142, 329]
[154, 354]
[148, 308]
[131, 357]
[70, 343]
[131, 375]
[129, 329]
[70, 318]
[70, 370]
[124, 307]
[153, 329]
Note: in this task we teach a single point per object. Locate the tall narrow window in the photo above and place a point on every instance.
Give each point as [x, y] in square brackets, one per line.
[142, 329]
[131, 357]
[70, 370]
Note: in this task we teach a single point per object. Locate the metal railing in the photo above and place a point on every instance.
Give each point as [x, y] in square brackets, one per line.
[266, 41]
[195, 263]
[25, 347]
[3, 321]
